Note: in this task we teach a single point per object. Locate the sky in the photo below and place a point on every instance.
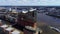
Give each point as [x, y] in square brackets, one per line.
[29, 2]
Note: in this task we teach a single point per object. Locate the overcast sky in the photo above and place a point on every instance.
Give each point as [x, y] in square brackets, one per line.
[30, 2]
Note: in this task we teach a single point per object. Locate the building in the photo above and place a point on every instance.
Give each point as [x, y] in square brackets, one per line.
[27, 18]
[30, 30]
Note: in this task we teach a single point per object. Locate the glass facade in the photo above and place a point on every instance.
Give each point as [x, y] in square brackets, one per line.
[28, 18]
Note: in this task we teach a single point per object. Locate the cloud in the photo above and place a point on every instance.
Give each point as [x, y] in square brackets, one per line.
[30, 2]
[50, 2]
[19, 2]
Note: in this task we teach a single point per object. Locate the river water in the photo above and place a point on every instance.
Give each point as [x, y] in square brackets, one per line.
[41, 17]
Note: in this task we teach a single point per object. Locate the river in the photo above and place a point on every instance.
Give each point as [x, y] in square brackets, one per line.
[41, 17]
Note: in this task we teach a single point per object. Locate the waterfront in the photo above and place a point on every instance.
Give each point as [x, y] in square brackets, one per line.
[44, 21]
[41, 17]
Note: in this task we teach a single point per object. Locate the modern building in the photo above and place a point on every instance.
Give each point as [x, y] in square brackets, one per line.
[27, 18]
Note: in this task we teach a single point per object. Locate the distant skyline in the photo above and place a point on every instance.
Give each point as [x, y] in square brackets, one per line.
[29, 2]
